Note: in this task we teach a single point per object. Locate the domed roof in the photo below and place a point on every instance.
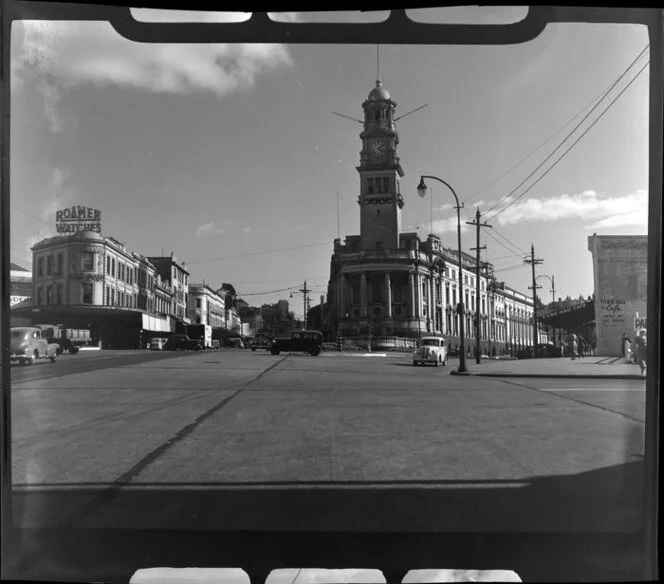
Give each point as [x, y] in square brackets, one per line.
[379, 92]
[88, 235]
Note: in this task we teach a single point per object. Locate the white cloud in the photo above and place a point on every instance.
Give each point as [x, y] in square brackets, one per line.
[449, 224]
[62, 55]
[246, 230]
[57, 196]
[208, 229]
[588, 206]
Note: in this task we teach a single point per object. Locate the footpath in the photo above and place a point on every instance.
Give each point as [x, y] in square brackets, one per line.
[584, 367]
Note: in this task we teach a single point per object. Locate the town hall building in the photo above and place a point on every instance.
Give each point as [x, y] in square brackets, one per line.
[386, 282]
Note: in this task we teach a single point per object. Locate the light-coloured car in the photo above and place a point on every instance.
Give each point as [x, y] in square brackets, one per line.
[27, 345]
[430, 350]
[157, 344]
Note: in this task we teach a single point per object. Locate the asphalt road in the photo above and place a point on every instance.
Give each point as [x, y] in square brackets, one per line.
[235, 440]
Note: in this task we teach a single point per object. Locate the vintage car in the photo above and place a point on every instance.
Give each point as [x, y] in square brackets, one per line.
[183, 343]
[306, 341]
[27, 344]
[157, 343]
[261, 342]
[431, 350]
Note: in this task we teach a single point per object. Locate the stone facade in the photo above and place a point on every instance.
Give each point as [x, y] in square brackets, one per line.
[387, 283]
[620, 271]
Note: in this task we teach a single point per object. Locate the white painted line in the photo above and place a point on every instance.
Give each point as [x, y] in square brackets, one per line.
[641, 389]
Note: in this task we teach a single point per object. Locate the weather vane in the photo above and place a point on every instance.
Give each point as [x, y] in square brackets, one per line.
[377, 82]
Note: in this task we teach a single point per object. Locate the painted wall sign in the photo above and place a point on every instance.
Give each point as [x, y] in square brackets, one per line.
[612, 310]
[78, 218]
[640, 322]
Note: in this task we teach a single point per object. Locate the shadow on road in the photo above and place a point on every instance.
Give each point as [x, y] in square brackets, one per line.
[569, 527]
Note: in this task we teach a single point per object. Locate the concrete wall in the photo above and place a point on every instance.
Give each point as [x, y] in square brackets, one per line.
[620, 270]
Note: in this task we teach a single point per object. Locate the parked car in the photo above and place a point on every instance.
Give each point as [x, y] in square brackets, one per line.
[157, 343]
[236, 342]
[27, 345]
[546, 350]
[430, 350]
[307, 341]
[182, 343]
[453, 352]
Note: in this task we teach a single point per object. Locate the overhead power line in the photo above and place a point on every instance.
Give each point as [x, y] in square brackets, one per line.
[264, 293]
[514, 245]
[514, 254]
[573, 143]
[31, 216]
[503, 199]
[551, 137]
[244, 255]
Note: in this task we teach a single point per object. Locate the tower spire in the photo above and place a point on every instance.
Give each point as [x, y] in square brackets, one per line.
[377, 64]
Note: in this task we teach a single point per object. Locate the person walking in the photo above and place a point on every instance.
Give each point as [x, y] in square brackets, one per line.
[573, 346]
[640, 346]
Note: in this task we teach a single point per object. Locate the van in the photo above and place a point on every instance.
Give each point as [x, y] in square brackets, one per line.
[157, 344]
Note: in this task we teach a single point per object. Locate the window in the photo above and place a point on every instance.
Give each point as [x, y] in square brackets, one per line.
[113, 267]
[49, 295]
[59, 294]
[40, 267]
[61, 263]
[370, 186]
[86, 293]
[87, 261]
[198, 302]
[39, 296]
[49, 267]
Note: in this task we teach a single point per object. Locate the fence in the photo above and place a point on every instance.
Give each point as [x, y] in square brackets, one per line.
[373, 343]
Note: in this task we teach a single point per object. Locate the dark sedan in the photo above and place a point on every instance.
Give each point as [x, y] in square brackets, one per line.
[182, 343]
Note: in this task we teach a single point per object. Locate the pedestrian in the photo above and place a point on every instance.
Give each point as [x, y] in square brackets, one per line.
[622, 344]
[640, 345]
[582, 346]
[573, 347]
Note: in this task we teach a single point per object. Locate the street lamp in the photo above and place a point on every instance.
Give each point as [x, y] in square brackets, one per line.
[553, 295]
[422, 191]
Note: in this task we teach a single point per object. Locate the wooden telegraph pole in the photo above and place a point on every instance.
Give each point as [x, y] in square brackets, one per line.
[478, 249]
[533, 262]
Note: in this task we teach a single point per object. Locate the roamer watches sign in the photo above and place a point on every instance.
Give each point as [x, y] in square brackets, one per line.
[77, 218]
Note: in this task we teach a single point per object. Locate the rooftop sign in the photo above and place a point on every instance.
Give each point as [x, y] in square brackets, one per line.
[77, 218]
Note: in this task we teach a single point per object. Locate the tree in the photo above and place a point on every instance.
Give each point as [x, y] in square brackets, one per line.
[315, 317]
[231, 294]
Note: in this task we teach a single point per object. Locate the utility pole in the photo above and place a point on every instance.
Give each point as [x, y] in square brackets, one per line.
[478, 249]
[553, 288]
[532, 261]
[305, 291]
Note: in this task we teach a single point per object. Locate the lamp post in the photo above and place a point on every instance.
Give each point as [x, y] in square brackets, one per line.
[422, 191]
[553, 294]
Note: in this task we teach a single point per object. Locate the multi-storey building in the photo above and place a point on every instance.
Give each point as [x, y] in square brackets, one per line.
[206, 306]
[85, 280]
[177, 276]
[386, 282]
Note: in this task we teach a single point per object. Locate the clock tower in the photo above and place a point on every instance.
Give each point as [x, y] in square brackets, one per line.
[380, 195]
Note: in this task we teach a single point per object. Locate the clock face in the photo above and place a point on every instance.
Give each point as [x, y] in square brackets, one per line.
[377, 149]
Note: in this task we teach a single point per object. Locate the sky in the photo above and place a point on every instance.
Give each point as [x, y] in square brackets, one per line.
[229, 155]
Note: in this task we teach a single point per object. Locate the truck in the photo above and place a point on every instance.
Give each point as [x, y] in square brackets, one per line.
[202, 332]
[67, 339]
